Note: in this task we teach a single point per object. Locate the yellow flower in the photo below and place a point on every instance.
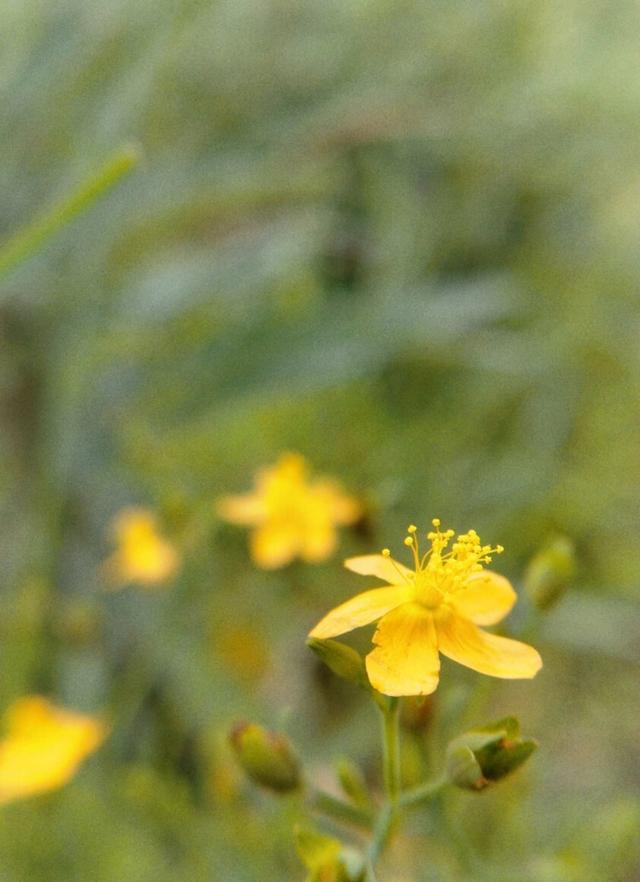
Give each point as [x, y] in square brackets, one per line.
[293, 515]
[43, 747]
[142, 556]
[436, 607]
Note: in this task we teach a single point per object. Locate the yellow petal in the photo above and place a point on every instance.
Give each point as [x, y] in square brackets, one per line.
[486, 598]
[274, 545]
[464, 642]
[133, 522]
[44, 747]
[360, 610]
[405, 661]
[245, 510]
[318, 543]
[378, 565]
[341, 508]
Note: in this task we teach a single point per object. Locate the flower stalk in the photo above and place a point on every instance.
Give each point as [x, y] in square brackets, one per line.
[391, 750]
[339, 810]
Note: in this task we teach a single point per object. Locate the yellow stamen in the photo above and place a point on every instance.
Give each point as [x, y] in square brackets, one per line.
[445, 567]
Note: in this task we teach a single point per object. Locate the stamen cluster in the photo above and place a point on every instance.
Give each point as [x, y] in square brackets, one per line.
[445, 567]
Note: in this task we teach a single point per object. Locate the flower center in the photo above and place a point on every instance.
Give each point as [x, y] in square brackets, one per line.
[426, 592]
[443, 570]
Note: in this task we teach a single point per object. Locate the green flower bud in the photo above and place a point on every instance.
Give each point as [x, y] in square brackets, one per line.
[353, 783]
[550, 572]
[463, 769]
[266, 757]
[327, 859]
[341, 659]
[487, 754]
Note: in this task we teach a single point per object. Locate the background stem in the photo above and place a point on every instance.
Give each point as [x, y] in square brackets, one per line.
[28, 240]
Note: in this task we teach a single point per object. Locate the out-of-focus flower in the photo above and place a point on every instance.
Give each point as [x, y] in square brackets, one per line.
[43, 747]
[293, 515]
[327, 859]
[436, 607]
[142, 555]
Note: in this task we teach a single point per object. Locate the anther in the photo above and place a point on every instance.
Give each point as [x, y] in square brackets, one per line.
[408, 540]
[386, 552]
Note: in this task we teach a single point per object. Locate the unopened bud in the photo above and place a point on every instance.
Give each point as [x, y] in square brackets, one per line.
[267, 757]
[327, 859]
[550, 572]
[353, 783]
[487, 754]
[341, 659]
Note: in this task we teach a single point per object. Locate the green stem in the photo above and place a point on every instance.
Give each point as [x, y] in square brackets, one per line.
[391, 750]
[424, 793]
[27, 241]
[381, 833]
[391, 771]
[338, 810]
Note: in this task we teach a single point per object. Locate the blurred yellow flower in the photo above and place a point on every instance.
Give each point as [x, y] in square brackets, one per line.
[142, 556]
[436, 607]
[293, 514]
[43, 747]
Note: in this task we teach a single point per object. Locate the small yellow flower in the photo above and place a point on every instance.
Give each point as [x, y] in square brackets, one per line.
[43, 747]
[436, 607]
[142, 556]
[293, 515]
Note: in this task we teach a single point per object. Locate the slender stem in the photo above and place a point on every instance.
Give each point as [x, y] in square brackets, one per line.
[380, 833]
[371, 873]
[391, 750]
[27, 241]
[338, 809]
[391, 770]
[424, 793]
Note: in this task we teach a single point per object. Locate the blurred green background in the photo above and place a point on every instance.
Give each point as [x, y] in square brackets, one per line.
[400, 238]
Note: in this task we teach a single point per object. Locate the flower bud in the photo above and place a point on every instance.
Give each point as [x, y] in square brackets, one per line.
[341, 659]
[327, 859]
[487, 754]
[550, 572]
[353, 783]
[266, 757]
